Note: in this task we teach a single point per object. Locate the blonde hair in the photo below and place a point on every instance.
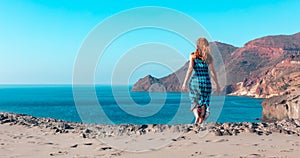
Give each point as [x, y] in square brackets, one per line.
[202, 50]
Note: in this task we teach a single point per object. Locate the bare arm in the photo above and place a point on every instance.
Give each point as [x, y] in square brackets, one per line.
[188, 73]
[213, 73]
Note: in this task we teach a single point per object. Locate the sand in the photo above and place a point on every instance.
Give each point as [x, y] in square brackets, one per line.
[36, 142]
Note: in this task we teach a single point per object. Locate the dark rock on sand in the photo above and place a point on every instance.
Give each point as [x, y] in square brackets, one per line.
[106, 148]
[74, 146]
[83, 135]
[290, 127]
[87, 143]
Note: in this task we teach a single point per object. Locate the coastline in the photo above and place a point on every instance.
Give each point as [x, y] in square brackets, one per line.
[29, 136]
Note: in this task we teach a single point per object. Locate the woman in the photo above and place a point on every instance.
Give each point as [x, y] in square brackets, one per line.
[200, 85]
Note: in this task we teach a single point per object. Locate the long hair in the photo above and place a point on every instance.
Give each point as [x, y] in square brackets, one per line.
[202, 49]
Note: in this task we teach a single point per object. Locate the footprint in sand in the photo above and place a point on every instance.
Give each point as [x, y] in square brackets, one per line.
[74, 146]
[274, 146]
[153, 149]
[289, 141]
[105, 148]
[116, 154]
[59, 153]
[196, 153]
[214, 155]
[255, 144]
[219, 140]
[29, 136]
[31, 142]
[88, 143]
[237, 144]
[207, 140]
[253, 155]
[47, 143]
[290, 150]
[261, 150]
[17, 137]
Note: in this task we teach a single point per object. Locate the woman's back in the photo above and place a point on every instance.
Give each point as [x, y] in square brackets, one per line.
[200, 68]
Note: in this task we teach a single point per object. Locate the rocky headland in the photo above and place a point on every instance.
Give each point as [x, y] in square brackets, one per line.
[282, 107]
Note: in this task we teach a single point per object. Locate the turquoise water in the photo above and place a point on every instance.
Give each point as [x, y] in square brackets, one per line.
[58, 102]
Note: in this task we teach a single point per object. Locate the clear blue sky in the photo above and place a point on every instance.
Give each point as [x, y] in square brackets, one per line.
[40, 39]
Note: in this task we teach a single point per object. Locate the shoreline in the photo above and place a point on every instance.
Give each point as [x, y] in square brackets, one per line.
[27, 136]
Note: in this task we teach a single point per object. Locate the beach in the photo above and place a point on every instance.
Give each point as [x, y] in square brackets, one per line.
[28, 136]
[100, 79]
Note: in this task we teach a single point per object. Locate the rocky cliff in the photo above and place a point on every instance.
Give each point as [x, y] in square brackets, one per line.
[275, 81]
[260, 55]
[266, 66]
[286, 106]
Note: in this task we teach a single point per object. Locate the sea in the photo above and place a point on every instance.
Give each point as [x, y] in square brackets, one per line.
[107, 104]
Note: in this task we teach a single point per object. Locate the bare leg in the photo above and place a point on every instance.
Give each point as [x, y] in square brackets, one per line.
[202, 114]
[193, 106]
[196, 114]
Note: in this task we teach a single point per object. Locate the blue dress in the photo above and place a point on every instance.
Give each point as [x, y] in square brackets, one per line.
[200, 85]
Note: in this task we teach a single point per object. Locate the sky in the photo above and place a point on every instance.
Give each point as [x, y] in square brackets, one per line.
[40, 39]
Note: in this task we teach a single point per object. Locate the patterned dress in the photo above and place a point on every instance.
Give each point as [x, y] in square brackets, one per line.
[200, 84]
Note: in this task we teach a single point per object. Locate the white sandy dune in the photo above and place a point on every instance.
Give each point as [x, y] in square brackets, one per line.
[31, 142]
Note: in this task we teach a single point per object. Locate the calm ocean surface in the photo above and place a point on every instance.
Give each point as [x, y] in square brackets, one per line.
[58, 102]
